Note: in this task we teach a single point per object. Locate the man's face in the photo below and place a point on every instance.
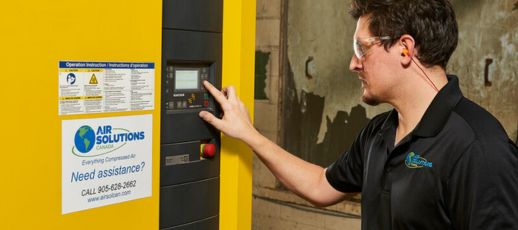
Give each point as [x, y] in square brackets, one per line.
[375, 68]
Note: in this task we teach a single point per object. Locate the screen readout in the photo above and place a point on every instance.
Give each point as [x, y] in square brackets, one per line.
[186, 79]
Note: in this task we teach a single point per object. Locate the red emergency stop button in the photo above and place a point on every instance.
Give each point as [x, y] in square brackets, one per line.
[208, 150]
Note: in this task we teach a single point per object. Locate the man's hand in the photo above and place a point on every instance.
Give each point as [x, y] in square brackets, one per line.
[306, 179]
[236, 120]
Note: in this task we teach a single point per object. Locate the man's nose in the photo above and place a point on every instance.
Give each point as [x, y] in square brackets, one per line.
[356, 64]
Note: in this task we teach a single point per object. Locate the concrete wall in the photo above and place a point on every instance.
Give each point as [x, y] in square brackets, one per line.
[489, 30]
[273, 206]
[303, 52]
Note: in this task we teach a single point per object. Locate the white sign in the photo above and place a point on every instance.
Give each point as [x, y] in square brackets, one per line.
[105, 161]
[98, 87]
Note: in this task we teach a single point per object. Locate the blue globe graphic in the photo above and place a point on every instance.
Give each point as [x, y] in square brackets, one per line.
[84, 139]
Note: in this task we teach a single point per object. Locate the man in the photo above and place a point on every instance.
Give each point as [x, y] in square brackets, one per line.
[436, 161]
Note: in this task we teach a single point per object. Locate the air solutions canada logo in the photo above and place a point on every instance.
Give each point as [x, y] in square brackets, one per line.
[413, 161]
[104, 139]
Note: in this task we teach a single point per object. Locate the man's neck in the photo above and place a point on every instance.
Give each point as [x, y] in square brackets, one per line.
[414, 99]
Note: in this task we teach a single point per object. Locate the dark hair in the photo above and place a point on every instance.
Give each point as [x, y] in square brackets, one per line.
[431, 23]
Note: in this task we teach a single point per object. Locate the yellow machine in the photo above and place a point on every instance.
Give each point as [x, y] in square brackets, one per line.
[84, 110]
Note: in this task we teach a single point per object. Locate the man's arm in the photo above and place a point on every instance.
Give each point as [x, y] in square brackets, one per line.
[303, 178]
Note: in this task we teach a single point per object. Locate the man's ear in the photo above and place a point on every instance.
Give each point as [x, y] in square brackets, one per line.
[406, 44]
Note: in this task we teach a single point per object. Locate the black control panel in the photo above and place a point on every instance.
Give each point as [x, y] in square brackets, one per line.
[185, 91]
[189, 147]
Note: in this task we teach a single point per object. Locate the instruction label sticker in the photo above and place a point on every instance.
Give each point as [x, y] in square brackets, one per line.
[99, 87]
[105, 161]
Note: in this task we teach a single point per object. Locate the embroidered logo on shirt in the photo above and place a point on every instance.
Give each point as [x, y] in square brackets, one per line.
[414, 161]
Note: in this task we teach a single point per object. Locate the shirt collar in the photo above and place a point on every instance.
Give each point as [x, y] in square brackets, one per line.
[435, 116]
[440, 109]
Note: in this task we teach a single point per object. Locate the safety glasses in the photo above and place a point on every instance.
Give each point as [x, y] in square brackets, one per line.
[362, 45]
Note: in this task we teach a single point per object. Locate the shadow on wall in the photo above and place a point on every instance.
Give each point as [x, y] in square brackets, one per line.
[302, 123]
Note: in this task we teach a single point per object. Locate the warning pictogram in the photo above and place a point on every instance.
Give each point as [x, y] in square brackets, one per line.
[93, 80]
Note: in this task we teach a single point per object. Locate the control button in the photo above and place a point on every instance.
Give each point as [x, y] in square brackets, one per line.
[184, 104]
[208, 150]
[179, 104]
[206, 103]
[206, 96]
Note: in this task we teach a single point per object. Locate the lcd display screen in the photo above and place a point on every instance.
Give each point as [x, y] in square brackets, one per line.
[186, 79]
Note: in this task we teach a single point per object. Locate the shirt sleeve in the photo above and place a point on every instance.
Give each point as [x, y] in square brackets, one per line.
[346, 173]
[482, 189]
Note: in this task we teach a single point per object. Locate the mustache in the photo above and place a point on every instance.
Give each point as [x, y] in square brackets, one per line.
[361, 78]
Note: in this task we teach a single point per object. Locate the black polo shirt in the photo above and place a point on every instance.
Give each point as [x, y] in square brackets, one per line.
[456, 170]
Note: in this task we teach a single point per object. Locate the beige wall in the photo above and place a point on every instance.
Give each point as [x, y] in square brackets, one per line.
[489, 29]
[274, 207]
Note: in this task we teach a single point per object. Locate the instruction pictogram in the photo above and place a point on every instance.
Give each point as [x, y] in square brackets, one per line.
[93, 80]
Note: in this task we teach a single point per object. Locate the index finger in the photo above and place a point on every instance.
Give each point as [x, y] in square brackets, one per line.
[218, 95]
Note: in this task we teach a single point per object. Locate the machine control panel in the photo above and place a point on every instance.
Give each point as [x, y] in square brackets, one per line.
[185, 91]
[189, 146]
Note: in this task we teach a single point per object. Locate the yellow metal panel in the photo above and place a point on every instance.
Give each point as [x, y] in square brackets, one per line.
[38, 34]
[35, 36]
[238, 70]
